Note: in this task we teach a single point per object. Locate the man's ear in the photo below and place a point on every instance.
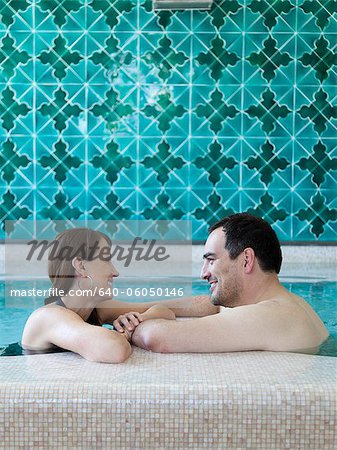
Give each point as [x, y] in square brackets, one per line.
[79, 266]
[248, 259]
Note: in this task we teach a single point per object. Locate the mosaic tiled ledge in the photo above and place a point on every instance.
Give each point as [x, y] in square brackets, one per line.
[250, 400]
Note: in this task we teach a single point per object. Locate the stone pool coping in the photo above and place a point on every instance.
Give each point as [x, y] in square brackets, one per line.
[246, 400]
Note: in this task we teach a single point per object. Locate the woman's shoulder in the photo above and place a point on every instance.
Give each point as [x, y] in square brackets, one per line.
[34, 328]
[44, 314]
[38, 324]
[38, 316]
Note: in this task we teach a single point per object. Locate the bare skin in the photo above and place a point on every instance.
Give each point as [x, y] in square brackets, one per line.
[55, 326]
[256, 312]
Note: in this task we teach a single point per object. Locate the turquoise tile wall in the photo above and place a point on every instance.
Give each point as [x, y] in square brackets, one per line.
[109, 110]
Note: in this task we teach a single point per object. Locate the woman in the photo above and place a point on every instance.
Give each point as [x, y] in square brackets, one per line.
[79, 264]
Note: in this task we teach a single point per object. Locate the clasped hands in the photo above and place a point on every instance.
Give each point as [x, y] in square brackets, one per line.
[127, 323]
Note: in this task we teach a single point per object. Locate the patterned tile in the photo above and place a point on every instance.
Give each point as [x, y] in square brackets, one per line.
[110, 111]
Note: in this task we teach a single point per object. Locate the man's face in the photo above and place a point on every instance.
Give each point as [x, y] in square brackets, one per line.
[220, 271]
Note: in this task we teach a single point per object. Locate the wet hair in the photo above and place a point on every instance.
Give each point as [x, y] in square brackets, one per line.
[244, 230]
[76, 242]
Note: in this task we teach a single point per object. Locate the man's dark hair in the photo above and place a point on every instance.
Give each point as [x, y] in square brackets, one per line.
[244, 230]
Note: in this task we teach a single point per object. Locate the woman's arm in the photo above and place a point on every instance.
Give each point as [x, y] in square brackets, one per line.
[61, 327]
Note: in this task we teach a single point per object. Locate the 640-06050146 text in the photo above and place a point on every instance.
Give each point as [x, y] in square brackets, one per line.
[102, 292]
[144, 292]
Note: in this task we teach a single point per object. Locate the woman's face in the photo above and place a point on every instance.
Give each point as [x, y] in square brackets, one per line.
[102, 271]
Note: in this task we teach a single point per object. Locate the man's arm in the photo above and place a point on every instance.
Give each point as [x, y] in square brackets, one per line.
[244, 328]
[195, 306]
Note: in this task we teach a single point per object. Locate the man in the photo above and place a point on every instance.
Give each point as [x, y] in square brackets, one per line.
[242, 260]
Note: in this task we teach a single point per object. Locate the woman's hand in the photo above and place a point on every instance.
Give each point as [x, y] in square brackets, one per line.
[127, 322]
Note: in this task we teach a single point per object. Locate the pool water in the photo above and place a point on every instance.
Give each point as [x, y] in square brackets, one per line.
[322, 297]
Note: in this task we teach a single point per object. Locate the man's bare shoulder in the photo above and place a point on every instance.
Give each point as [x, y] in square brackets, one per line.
[288, 306]
[292, 305]
[269, 306]
[288, 316]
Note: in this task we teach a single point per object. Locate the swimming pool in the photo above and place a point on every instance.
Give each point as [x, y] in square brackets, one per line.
[321, 295]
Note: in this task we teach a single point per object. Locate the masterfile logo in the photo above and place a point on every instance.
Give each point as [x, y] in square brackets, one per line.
[153, 258]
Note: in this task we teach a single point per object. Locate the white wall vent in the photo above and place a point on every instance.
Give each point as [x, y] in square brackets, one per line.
[182, 4]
